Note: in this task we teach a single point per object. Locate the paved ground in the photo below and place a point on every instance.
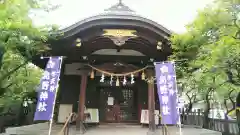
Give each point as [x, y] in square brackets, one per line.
[42, 129]
[144, 131]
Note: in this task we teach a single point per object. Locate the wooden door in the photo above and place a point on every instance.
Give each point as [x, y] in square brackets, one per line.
[106, 111]
[125, 98]
[128, 106]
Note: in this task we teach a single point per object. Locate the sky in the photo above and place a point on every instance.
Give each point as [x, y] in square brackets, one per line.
[172, 14]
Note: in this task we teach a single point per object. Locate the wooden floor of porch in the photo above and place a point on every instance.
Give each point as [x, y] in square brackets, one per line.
[104, 129]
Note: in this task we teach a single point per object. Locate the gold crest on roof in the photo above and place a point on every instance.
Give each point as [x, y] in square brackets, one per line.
[119, 33]
[119, 36]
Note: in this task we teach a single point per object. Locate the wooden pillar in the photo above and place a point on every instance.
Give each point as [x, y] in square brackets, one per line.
[151, 101]
[82, 97]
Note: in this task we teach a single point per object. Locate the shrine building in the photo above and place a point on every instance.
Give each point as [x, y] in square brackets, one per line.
[108, 59]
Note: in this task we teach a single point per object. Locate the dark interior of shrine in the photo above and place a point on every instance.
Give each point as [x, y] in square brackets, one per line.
[132, 97]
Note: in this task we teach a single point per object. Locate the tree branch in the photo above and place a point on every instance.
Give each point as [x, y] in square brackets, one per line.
[9, 85]
[230, 98]
[235, 23]
[225, 104]
[189, 98]
[13, 71]
[3, 90]
[230, 78]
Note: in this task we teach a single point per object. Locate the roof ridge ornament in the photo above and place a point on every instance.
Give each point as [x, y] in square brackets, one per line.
[119, 7]
[120, 2]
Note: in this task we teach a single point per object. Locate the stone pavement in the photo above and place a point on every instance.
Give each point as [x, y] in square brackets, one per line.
[42, 129]
[143, 131]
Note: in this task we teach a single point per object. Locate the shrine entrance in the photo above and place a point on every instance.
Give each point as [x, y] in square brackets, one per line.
[125, 98]
[117, 41]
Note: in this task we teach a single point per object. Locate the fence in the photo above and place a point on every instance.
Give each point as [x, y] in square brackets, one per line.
[227, 127]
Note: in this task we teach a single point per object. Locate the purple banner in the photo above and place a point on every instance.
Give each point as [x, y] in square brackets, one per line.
[167, 92]
[47, 89]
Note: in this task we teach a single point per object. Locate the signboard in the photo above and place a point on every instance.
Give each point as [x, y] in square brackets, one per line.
[47, 89]
[167, 92]
[94, 115]
[110, 101]
[145, 117]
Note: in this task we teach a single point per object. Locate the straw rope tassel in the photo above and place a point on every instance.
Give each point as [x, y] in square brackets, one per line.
[117, 82]
[143, 75]
[92, 74]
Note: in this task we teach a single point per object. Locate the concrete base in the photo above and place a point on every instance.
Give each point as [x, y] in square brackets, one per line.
[152, 133]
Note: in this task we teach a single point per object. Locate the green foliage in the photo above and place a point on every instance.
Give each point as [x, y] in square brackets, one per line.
[21, 82]
[20, 41]
[209, 51]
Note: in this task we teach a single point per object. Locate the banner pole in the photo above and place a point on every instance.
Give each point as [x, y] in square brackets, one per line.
[179, 115]
[54, 101]
[180, 125]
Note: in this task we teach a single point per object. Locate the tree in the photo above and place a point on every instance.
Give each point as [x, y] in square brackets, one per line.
[229, 96]
[17, 86]
[21, 82]
[18, 37]
[190, 90]
[211, 48]
[20, 42]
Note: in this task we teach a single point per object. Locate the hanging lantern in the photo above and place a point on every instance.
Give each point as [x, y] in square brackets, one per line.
[78, 42]
[102, 78]
[132, 79]
[124, 80]
[143, 75]
[92, 75]
[117, 82]
[159, 45]
[25, 103]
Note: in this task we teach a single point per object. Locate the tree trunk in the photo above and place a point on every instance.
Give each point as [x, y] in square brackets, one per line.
[205, 116]
[238, 111]
[190, 106]
[233, 106]
[2, 51]
[207, 110]
[232, 100]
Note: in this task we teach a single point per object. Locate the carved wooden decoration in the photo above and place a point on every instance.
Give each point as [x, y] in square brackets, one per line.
[119, 36]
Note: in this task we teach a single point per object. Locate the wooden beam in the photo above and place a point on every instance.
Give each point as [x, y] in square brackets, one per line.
[143, 46]
[99, 59]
